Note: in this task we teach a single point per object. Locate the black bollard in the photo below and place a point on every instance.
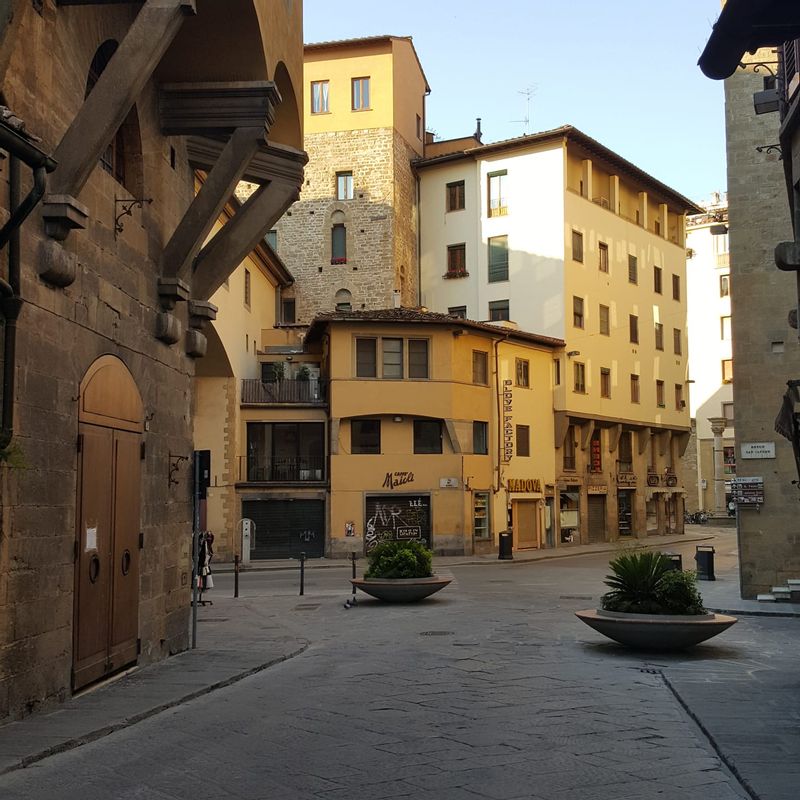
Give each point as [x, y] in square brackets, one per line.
[236, 576]
[354, 571]
[302, 573]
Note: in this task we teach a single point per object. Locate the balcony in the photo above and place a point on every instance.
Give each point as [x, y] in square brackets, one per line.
[300, 469]
[287, 391]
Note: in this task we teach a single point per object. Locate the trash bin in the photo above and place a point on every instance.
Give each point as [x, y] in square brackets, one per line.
[506, 546]
[676, 561]
[704, 556]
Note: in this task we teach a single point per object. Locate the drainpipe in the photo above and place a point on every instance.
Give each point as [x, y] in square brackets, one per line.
[497, 344]
[19, 149]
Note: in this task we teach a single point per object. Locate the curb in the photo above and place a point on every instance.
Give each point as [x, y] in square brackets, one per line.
[100, 733]
[757, 613]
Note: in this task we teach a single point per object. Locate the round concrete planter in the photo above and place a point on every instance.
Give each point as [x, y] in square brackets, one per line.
[400, 590]
[656, 631]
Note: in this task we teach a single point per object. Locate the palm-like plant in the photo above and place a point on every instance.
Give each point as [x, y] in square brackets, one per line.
[634, 582]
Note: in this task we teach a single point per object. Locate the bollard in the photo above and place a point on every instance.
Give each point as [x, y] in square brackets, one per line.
[302, 573]
[236, 576]
[354, 571]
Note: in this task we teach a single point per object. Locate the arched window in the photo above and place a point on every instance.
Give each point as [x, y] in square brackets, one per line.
[344, 300]
[122, 158]
[338, 243]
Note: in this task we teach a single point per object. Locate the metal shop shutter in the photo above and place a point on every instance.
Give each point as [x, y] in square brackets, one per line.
[285, 528]
[597, 518]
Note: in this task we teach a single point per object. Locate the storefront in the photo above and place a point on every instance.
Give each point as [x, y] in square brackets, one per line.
[285, 527]
[570, 515]
[396, 517]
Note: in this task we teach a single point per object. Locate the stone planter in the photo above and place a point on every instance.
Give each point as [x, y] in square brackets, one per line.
[400, 590]
[656, 631]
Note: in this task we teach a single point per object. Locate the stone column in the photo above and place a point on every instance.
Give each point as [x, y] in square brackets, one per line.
[718, 428]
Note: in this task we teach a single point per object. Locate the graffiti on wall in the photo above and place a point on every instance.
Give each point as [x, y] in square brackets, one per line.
[392, 518]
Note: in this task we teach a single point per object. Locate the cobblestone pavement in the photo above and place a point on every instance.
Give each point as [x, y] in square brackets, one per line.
[491, 690]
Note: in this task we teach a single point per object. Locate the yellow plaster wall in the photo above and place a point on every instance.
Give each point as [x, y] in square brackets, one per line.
[409, 94]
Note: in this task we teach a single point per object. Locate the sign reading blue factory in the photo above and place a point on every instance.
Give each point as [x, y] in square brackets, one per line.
[508, 421]
[393, 518]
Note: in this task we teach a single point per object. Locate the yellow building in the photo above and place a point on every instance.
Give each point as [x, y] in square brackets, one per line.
[568, 239]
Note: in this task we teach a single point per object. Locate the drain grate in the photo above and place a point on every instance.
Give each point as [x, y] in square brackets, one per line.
[437, 633]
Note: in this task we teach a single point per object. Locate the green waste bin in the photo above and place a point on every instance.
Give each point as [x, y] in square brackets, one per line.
[704, 557]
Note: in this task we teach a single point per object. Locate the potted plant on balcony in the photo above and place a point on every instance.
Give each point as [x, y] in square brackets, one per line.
[652, 606]
[400, 572]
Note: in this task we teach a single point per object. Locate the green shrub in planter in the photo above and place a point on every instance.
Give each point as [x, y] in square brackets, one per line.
[645, 583]
[407, 559]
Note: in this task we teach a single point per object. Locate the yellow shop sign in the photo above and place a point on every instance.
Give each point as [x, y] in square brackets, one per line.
[524, 485]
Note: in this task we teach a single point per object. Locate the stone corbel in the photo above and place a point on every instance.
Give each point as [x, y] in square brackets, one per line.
[614, 435]
[200, 313]
[664, 439]
[171, 291]
[643, 436]
[587, 429]
[561, 426]
[683, 442]
[109, 102]
[453, 434]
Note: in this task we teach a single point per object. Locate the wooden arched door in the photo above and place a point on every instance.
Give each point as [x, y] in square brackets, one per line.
[111, 421]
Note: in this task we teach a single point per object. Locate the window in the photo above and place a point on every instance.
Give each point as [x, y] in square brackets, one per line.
[556, 372]
[392, 358]
[427, 436]
[285, 451]
[523, 372]
[727, 370]
[319, 97]
[676, 287]
[625, 463]
[523, 440]
[660, 394]
[360, 94]
[456, 261]
[498, 310]
[272, 239]
[724, 285]
[247, 287]
[634, 388]
[366, 358]
[605, 321]
[659, 336]
[480, 367]
[458, 311]
[497, 193]
[580, 377]
[633, 324]
[480, 515]
[725, 328]
[727, 413]
[569, 448]
[677, 345]
[633, 269]
[343, 300]
[288, 311]
[657, 280]
[417, 358]
[480, 438]
[603, 250]
[605, 382]
[577, 246]
[680, 404]
[455, 196]
[577, 312]
[344, 185]
[338, 244]
[498, 259]
[365, 436]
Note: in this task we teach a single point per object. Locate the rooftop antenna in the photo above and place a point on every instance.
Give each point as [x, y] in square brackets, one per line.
[528, 92]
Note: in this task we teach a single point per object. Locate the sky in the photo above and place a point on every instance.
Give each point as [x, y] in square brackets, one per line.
[622, 71]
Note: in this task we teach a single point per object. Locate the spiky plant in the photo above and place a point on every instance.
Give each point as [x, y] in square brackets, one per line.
[634, 582]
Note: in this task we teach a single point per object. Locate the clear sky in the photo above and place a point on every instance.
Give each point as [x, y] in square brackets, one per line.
[623, 71]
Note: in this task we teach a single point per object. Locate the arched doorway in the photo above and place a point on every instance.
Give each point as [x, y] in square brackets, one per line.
[106, 612]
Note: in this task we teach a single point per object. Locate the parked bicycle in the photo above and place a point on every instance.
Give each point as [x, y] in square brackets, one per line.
[697, 518]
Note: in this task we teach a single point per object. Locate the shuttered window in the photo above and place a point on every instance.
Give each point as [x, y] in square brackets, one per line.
[498, 259]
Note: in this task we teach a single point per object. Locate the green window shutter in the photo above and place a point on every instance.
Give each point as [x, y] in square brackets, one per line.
[498, 259]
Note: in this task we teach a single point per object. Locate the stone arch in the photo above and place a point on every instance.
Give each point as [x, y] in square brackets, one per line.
[109, 396]
[287, 128]
[343, 300]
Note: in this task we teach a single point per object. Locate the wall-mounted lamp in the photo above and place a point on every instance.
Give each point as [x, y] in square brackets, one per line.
[718, 230]
[397, 419]
[571, 353]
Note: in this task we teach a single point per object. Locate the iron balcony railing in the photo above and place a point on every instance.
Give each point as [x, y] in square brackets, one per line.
[300, 469]
[287, 390]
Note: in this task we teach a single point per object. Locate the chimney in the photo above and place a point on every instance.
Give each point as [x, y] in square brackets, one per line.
[396, 298]
[478, 134]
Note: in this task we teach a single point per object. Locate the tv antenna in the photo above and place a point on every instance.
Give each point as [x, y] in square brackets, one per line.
[528, 92]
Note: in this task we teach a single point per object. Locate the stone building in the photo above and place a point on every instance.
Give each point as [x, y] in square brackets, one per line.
[750, 45]
[105, 298]
[351, 240]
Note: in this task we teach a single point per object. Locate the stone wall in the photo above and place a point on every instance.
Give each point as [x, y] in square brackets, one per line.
[765, 349]
[380, 221]
[689, 471]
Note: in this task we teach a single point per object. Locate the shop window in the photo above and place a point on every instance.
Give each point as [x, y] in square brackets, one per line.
[596, 452]
[366, 358]
[480, 438]
[427, 436]
[523, 368]
[577, 246]
[570, 516]
[480, 367]
[603, 256]
[480, 515]
[523, 440]
[729, 460]
[365, 436]
[570, 447]
[455, 196]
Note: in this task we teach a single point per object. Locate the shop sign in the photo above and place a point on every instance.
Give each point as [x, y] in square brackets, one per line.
[448, 483]
[595, 456]
[395, 479]
[758, 450]
[597, 489]
[626, 479]
[508, 421]
[748, 491]
[524, 485]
